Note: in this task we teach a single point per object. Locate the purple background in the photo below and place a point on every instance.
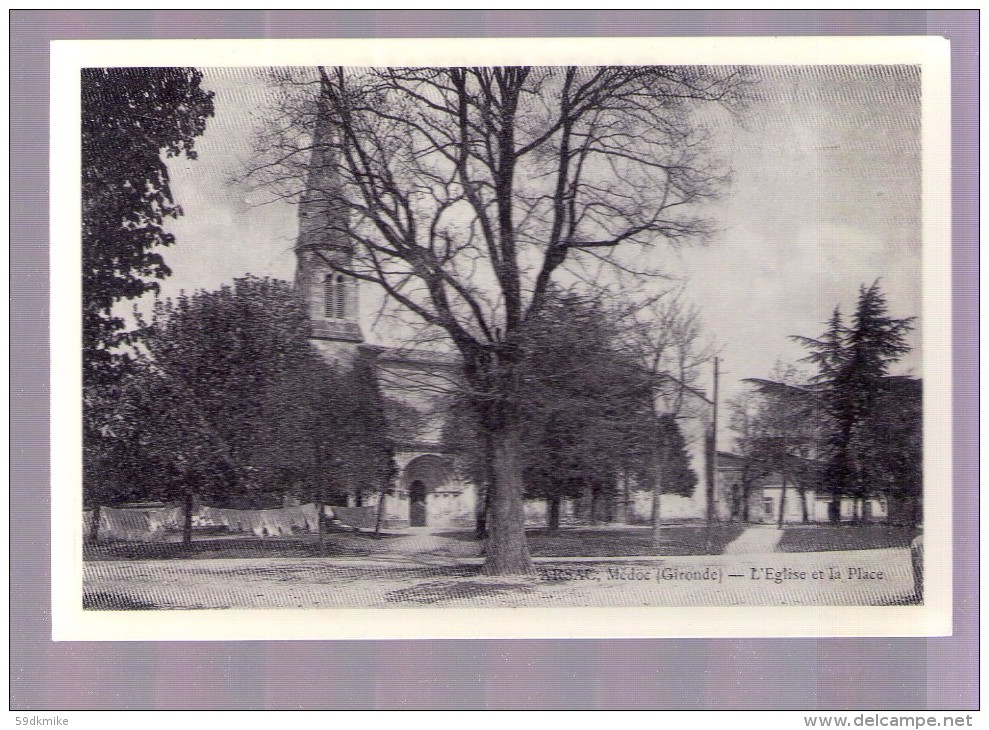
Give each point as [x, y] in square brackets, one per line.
[796, 674]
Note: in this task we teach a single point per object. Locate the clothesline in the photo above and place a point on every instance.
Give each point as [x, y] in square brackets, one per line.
[262, 522]
[150, 525]
[134, 525]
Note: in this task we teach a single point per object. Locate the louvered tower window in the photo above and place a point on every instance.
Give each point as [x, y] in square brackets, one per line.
[335, 296]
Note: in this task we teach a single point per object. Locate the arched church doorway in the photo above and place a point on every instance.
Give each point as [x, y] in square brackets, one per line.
[417, 504]
[428, 482]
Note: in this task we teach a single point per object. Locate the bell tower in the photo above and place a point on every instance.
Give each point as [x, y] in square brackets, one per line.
[324, 253]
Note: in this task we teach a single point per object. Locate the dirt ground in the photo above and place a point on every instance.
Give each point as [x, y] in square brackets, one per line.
[417, 570]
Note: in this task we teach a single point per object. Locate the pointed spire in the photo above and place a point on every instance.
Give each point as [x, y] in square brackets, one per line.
[324, 249]
[322, 212]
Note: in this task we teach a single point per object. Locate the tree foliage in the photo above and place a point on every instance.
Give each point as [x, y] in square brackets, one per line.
[586, 404]
[364, 429]
[141, 442]
[231, 402]
[241, 359]
[130, 116]
[853, 386]
[855, 427]
[677, 475]
[895, 435]
[589, 419]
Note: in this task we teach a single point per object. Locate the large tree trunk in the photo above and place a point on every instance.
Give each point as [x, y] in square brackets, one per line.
[803, 504]
[657, 521]
[381, 512]
[600, 512]
[481, 514]
[585, 504]
[507, 552]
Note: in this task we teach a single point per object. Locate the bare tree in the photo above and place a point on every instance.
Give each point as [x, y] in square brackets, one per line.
[743, 412]
[779, 425]
[667, 335]
[467, 191]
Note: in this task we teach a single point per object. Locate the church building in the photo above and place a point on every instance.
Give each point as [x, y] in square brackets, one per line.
[429, 490]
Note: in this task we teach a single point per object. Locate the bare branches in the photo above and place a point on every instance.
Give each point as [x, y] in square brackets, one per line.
[466, 189]
[666, 334]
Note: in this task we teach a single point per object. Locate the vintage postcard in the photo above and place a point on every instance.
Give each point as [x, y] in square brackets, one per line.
[528, 338]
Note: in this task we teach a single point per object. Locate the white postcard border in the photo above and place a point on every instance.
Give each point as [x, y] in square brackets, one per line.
[70, 622]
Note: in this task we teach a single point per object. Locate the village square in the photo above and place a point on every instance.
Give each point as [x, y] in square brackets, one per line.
[460, 364]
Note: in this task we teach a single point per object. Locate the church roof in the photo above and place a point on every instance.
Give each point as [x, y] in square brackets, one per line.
[405, 356]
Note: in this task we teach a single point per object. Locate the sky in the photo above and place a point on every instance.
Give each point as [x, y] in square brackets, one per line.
[825, 197]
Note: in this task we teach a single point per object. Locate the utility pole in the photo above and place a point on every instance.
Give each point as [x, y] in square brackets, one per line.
[713, 456]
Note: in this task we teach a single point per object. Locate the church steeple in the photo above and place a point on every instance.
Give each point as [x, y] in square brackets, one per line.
[324, 250]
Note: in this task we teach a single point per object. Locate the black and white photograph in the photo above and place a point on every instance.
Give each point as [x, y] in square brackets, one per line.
[656, 333]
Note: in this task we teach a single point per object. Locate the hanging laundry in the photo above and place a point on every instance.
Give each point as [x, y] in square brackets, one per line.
[303, 517]
[166, 518]
[130, 525]
[262, 522]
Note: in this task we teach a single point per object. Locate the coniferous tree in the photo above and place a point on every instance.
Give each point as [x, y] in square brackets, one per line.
[853, 374]
[678, 476]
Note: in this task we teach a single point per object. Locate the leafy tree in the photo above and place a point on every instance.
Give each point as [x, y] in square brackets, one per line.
[578, 395]
[288, 447]
[109, 419]
[742, 411]
[363, 430]
[243, 355]
[129, 117]
[141, 442]
[666, 336]
[467, 190]
[586, 405]
[231, 401]
[233, 353]
[324, 433]
[897, 430]
[590, 429]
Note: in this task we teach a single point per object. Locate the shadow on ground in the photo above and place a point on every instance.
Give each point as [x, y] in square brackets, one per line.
[439, 591]
[103, 601]
[604, 542]
[818, 538]
[205, 547]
